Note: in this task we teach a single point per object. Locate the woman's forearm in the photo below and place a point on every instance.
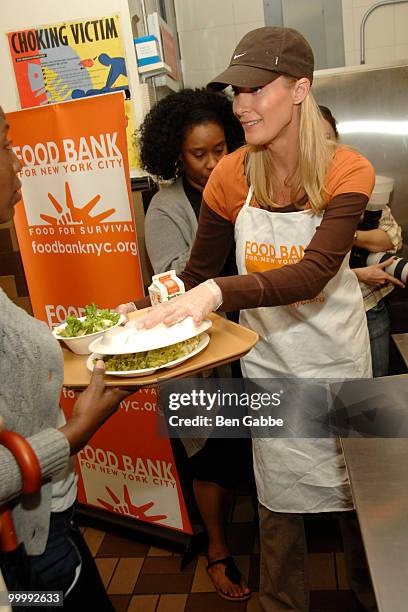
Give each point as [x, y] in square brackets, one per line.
[375, 240]
[307, 278]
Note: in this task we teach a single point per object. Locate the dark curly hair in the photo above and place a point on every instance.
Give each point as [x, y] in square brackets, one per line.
[162, 132]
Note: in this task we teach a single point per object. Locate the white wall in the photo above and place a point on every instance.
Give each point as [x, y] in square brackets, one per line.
[209, 30]
[386, 32]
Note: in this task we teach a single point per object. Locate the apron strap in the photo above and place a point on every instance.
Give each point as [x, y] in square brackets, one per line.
[249, 197]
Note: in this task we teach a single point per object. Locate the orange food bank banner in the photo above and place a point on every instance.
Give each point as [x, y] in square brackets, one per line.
[76, 230]
[125, 469]
[76, 233]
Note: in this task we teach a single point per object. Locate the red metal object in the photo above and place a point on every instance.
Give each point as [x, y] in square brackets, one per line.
[31, 482]
[8, 538]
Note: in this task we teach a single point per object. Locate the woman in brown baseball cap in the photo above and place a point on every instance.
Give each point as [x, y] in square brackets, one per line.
[293, 200]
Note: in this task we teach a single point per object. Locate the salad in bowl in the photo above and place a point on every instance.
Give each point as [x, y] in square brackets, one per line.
[79, 332]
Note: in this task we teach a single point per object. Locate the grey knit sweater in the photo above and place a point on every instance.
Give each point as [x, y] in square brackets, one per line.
[170, 228]
[31, 371]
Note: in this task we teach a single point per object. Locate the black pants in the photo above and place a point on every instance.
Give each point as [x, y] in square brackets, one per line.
[57, 567]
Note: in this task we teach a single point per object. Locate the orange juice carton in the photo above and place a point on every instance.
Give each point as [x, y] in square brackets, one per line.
[165, 287]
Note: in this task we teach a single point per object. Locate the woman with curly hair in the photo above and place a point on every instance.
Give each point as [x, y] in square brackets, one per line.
[182, 139]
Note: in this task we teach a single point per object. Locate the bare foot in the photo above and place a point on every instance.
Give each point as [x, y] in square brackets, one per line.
[227, 587]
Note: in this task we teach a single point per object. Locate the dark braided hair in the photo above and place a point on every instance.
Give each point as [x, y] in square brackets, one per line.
[162, 132]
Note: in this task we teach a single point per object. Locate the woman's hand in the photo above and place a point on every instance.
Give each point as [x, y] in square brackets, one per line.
[124, 309]
[376, 276]
[196, 303]
[92, 408]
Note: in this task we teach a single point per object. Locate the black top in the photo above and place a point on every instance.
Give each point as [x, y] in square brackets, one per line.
[195, 197]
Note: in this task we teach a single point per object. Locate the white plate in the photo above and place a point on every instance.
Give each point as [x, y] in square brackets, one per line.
[171, 364]
[128, 339]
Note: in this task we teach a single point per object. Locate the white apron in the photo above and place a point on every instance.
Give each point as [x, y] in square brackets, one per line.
[326, 337]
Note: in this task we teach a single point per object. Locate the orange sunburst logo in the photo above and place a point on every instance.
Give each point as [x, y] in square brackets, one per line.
[71, 214]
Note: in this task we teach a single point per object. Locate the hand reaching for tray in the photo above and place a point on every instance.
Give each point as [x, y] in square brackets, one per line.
[196, 303]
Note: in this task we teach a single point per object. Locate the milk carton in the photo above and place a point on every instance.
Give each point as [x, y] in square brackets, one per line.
[165, 287]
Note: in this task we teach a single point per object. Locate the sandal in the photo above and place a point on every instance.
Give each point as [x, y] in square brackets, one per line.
[233, 574]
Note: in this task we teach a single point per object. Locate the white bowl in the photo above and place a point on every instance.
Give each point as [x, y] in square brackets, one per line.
[80, 344]
[131, 340]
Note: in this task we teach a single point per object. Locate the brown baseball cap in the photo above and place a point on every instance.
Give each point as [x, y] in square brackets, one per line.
[265, 53]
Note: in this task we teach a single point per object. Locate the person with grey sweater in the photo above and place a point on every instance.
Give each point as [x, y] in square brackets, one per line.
[170, 228]
[31, 374]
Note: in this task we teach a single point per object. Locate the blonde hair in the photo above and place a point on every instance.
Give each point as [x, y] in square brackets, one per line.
[315, 155]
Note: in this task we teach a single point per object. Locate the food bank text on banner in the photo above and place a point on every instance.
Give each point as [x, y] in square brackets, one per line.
[75, 226]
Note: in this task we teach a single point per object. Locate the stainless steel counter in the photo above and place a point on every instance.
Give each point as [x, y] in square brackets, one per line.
[401, 342]
[378, 470]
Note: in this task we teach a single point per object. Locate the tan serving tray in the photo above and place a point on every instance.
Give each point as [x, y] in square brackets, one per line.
[228, 341]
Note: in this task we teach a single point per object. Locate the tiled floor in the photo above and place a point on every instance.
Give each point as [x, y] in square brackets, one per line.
[143, 578]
